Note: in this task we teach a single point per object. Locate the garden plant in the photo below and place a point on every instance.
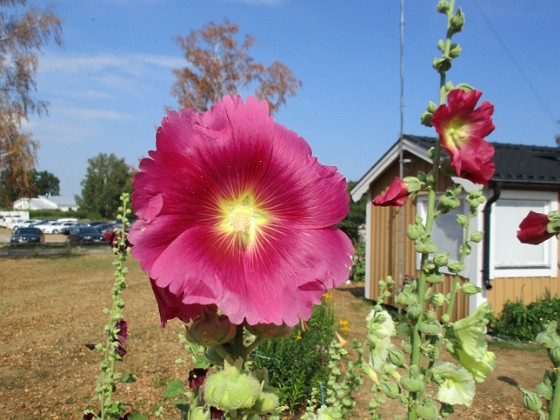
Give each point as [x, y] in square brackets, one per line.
[237, 232]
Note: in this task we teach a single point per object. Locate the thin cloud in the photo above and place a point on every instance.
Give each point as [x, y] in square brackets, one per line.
[95, 63]
[92, 114]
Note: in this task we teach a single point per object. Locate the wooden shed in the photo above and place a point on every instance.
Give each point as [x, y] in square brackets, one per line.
[527, 178]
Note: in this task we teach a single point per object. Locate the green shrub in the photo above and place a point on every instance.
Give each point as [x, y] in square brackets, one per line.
[358, 271]
[298, 363]
[523, 323]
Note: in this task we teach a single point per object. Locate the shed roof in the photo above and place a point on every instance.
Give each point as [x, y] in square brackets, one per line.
[515, 163]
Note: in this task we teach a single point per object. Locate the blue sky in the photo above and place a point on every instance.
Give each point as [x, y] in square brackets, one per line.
[108, 87]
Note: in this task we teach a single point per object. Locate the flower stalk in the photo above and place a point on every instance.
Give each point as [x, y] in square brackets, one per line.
[116, 327]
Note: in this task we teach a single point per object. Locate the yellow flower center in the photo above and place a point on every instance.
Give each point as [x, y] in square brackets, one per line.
[456, 134]
[243, 218]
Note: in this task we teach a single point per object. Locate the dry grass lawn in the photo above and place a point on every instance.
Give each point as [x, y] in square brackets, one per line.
[51, 307]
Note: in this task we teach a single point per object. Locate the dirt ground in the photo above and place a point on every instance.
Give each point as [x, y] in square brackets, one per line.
[47, 372]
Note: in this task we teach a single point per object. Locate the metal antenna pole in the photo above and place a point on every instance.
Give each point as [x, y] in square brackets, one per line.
[400, 279]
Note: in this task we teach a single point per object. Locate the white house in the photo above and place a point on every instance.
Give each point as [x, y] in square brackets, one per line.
[43, 202]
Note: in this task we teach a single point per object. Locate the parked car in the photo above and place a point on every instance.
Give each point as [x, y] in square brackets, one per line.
[28, 235]
[112, 233]
[14, 224]
[84, 235]
[102, 226]
[55, 227]
[31, 222]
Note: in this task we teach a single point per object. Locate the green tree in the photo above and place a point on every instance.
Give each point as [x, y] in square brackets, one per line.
[356, 217]
[23, 32]
[218, 65]
[40, 183]
[45, 183]
[107, 177]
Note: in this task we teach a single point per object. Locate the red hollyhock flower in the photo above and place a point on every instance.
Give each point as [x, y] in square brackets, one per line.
[462, 129]
[122, 335]
[395, 196]
[532, 229]
[197, 376]
[234, 211]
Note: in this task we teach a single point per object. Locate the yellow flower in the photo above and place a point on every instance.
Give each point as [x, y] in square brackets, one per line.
[298, 336]
[328, 296]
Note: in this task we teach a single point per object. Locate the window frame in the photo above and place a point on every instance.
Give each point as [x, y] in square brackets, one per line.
[550, 247]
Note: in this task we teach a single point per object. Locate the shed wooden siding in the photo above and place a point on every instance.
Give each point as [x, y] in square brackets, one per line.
[385, 229]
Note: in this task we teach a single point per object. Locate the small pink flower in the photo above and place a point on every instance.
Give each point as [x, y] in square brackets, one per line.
[395, 196]
[462, 129]
[532, 229]
[234, 211]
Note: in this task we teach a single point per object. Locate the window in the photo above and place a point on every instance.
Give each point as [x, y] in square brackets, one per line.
[510, 257]
[446, 233]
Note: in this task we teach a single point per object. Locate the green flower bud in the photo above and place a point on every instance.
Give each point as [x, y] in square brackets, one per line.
[426, 119]
[477, 236]
[270, 331]
[456, 22]
[554, 355]
[390, 389]
[211, 329]
[475, 199]
[531, 400]
[462, 220]
[382, 284]
[231, 390]
[430, 327]
[449, 86]
[447, 202]
[443, 6]
[445, 318]
[407, 347]
[428, 267]
[437, 299]
[413, 184]
[430, 315]
[427, 411]
[455, 50]
[441, 258]
[432, 106]
[545, 390]
[414, 311]
[425, 245]
[441, 46]
[470, 289]
[413, 232]
[412, 384]
[390, 281]
[434, 278]
[465, 249]
[442, 64]
[455, 266]
[406, 299]
[267, 401]
[395, 356]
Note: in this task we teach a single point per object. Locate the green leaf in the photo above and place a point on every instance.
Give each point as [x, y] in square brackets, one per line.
[183, 405]
[174, 389]
[127, 378]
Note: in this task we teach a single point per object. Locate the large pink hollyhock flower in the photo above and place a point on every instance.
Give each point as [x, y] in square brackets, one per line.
[396, 195]
[532, 229]
[462, 129]
[235, 212]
